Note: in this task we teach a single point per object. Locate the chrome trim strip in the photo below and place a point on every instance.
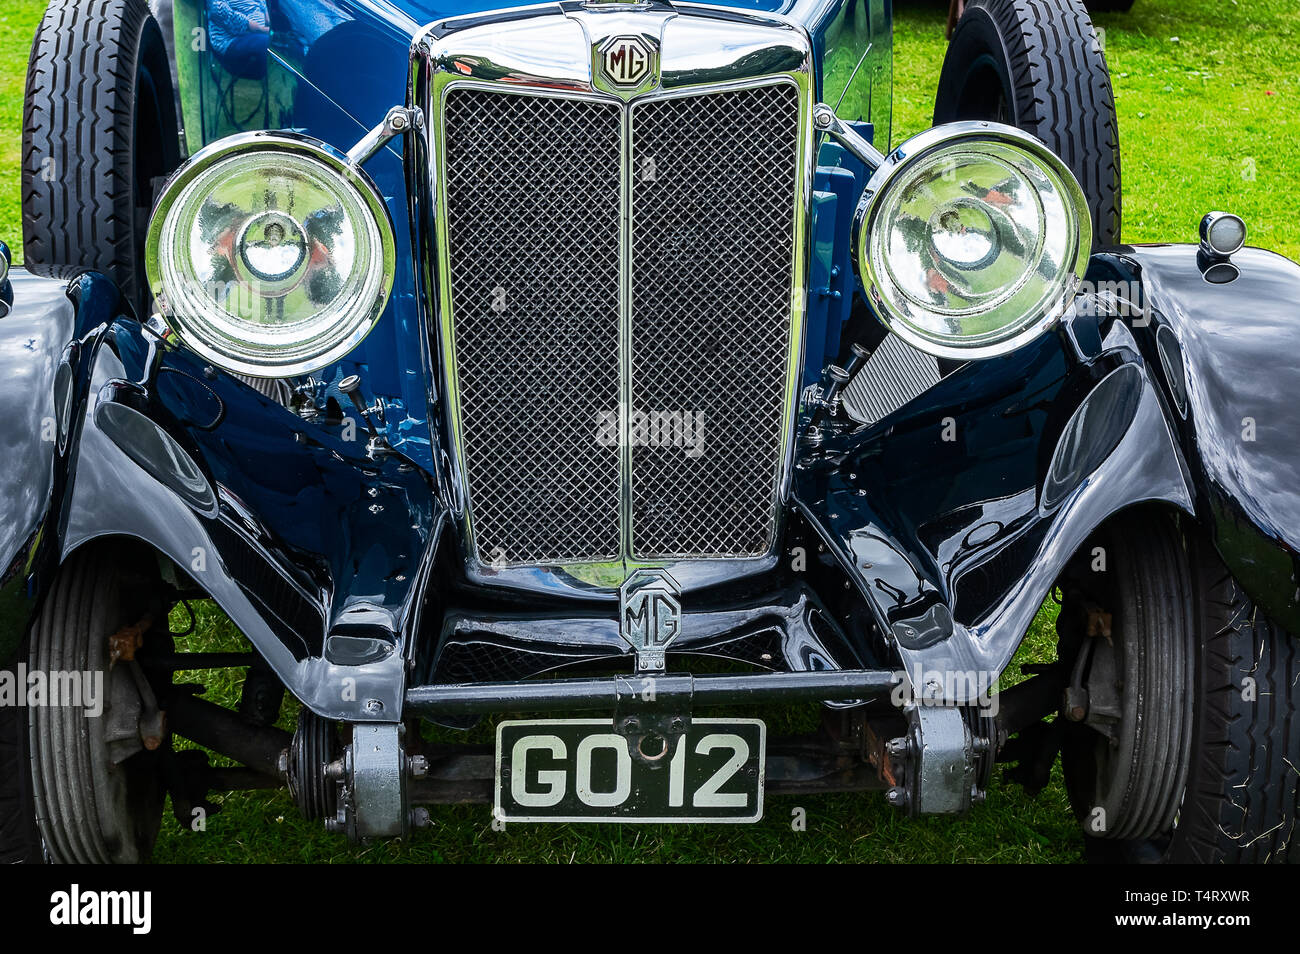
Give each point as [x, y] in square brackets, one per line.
[625, 345]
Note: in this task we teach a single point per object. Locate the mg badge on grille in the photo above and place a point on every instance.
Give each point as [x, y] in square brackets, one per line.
[650, 616]
[626, 61]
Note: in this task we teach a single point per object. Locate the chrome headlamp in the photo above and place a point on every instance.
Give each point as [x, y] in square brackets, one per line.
[972, 239]
[271, 254]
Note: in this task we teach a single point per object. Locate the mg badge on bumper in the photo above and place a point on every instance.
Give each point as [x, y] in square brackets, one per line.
[649, 616]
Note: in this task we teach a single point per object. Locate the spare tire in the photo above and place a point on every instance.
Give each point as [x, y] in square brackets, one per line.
[1038, 65]
[99, 129]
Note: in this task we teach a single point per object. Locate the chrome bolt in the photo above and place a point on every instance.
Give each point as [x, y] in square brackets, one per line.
[397, 119]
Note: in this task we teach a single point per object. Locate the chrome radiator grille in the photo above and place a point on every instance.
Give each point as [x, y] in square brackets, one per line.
[626, 265]
[533, 216]
[712, 266]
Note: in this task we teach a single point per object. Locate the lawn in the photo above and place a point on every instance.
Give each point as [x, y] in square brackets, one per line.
[1208, 93]
[18, 20]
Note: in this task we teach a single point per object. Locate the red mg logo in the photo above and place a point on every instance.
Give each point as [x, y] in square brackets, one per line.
[625, 60]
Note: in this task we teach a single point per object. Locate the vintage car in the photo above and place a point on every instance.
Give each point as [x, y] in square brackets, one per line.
[605, 370]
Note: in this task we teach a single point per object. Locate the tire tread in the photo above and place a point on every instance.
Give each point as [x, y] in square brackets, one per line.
[1062, 92]
[79, 100]
[1243, 797]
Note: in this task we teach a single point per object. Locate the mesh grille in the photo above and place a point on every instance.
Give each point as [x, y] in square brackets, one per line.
[712, 269]
[534, 206]
[533, 230]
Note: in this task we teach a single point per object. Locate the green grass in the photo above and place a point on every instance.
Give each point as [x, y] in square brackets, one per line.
[1209, 120]
[18, 20]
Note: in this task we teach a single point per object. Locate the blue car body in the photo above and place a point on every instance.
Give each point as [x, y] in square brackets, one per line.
[346, 574]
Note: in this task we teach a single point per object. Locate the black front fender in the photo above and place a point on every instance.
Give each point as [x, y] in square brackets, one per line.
[319, 554]
[955, 515]
[1228, 353]
[43, 334]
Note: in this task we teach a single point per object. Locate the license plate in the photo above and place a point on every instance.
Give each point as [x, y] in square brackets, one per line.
[581, 770]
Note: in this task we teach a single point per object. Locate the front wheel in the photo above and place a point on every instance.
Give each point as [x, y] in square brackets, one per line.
[1183, 715]
[80, 761]
[1243, 786]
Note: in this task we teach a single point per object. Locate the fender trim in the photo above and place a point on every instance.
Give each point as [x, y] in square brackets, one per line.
[1226, 359]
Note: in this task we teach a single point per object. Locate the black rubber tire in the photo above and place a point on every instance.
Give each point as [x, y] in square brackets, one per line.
[1037, 65]
[1109, 6]
[99, 130]
[1130, 788]
[20, 840]
[1236, 788]
[95, 594]
[1243, 787]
